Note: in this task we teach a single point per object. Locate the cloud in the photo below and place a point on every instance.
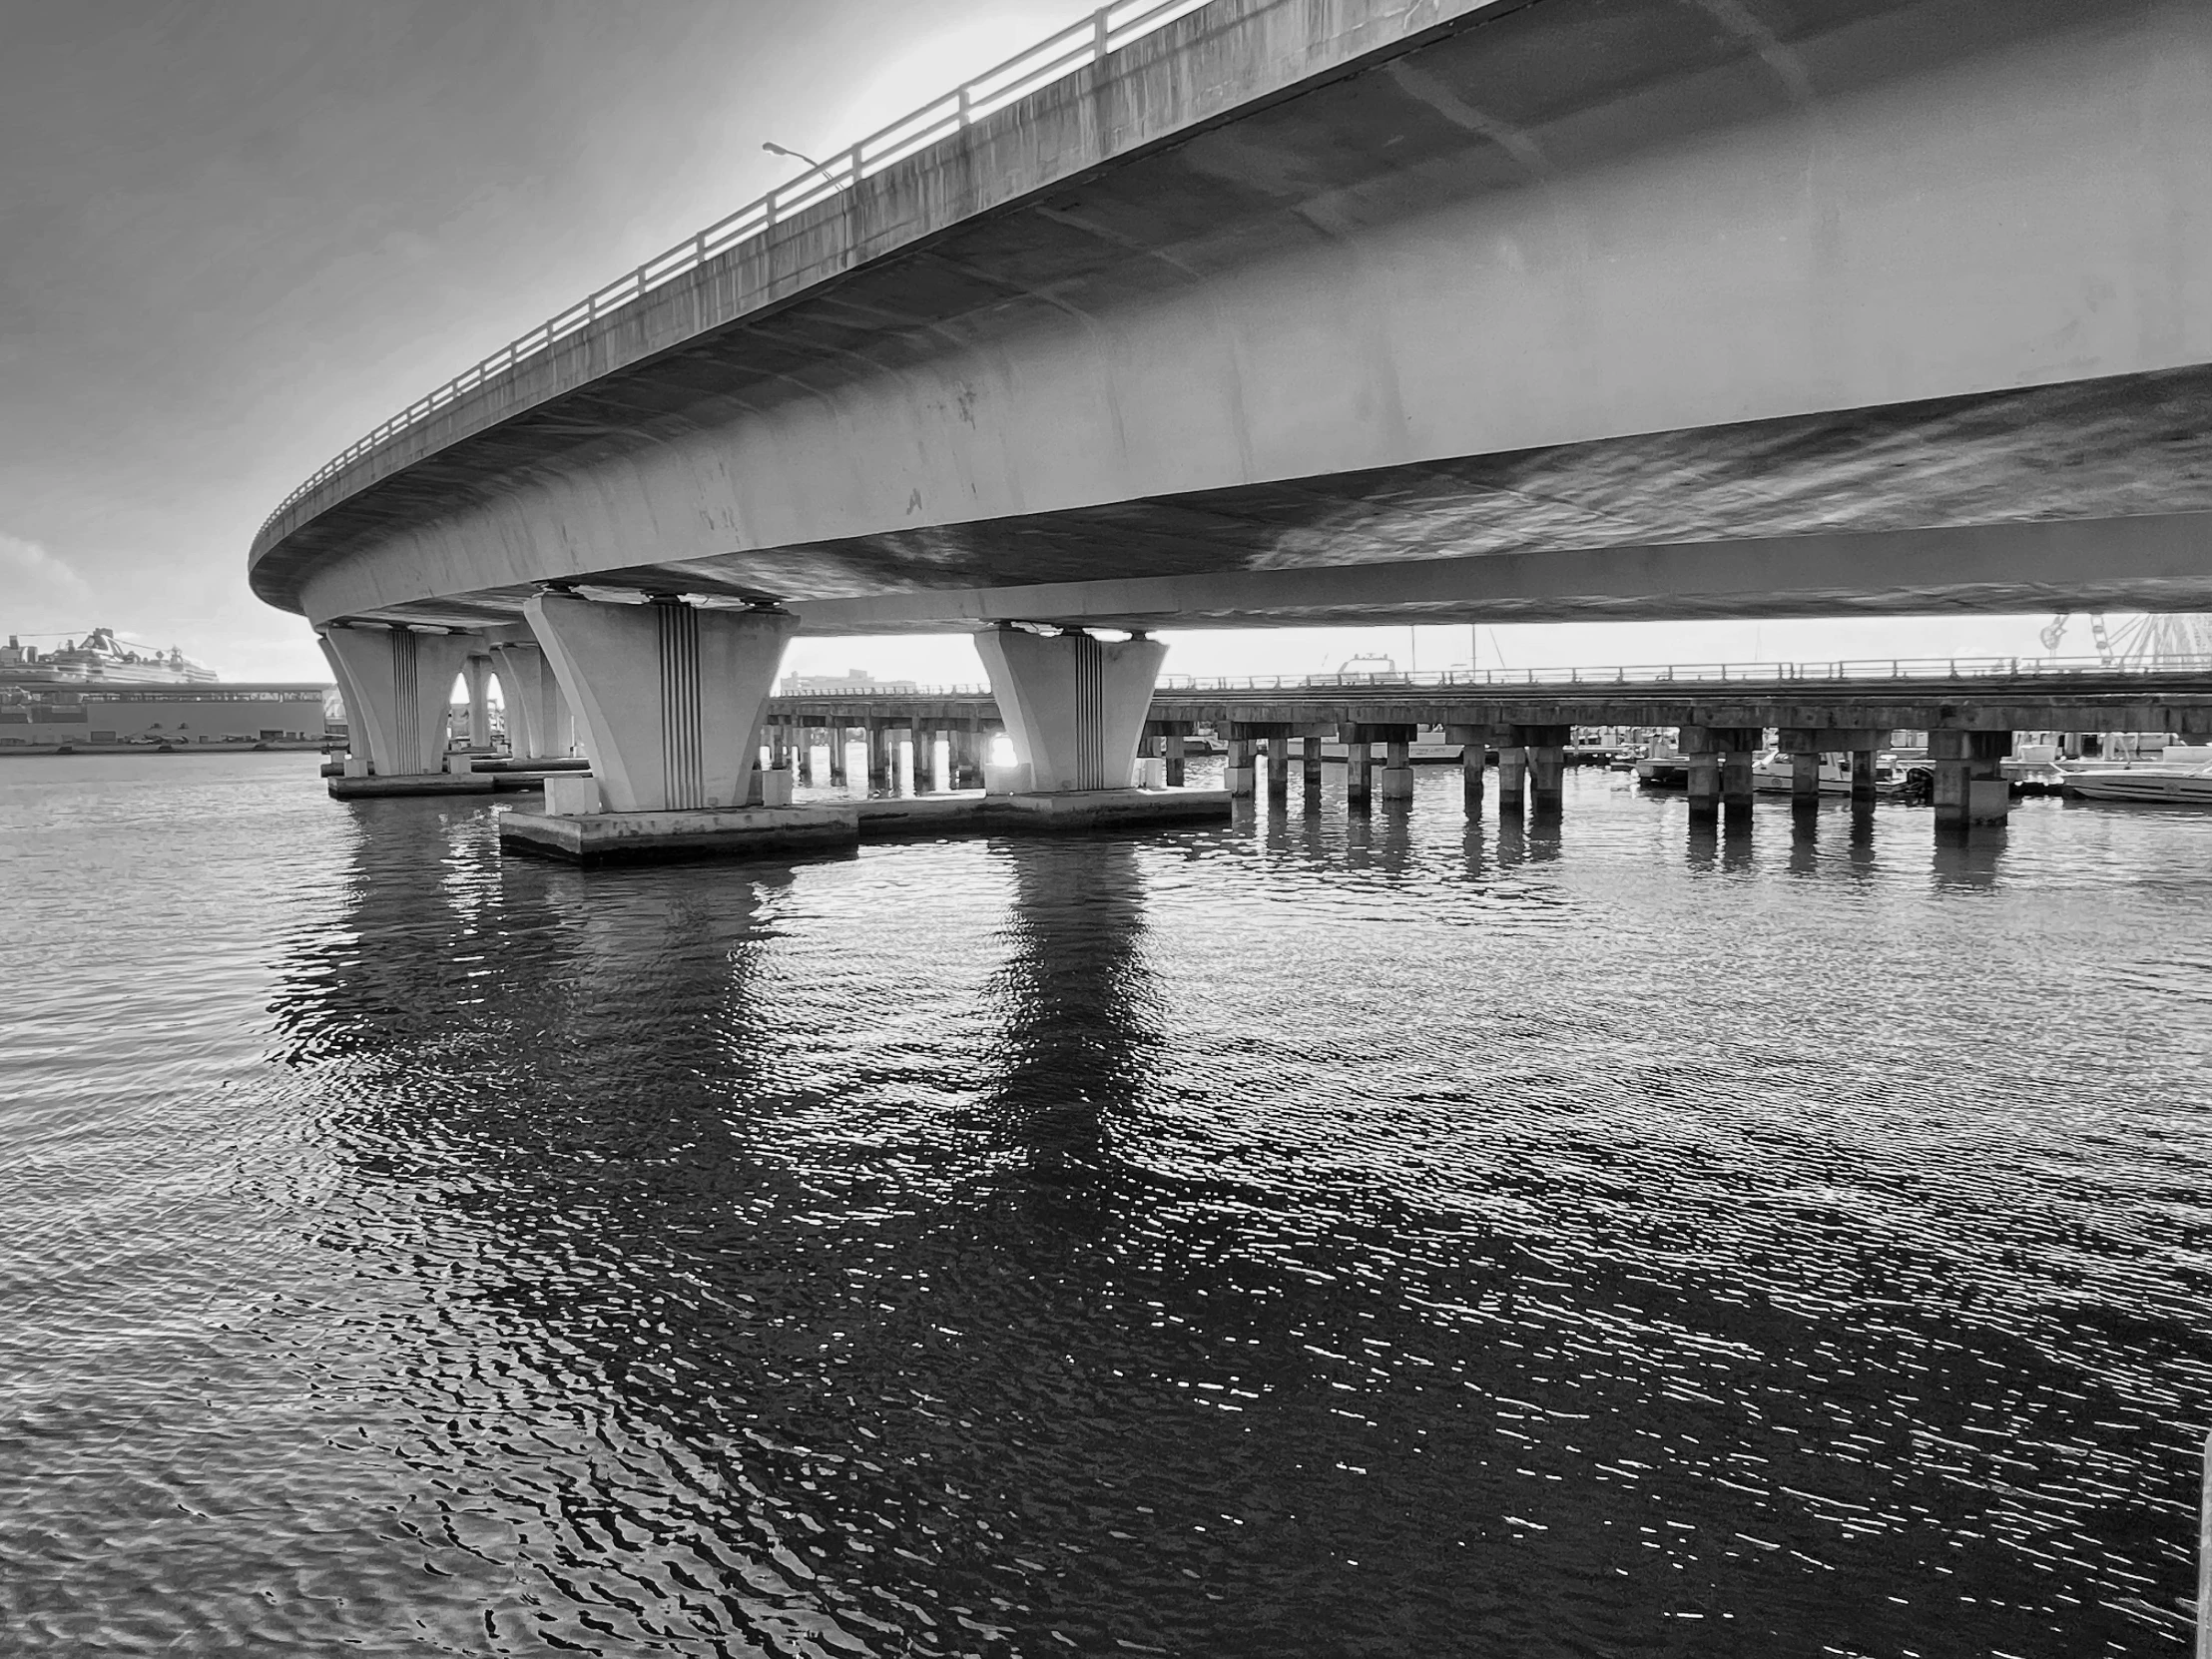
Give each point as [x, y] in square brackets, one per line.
[33, 579]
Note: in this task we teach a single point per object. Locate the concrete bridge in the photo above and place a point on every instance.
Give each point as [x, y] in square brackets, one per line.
[1970, 713]
[1265, 311]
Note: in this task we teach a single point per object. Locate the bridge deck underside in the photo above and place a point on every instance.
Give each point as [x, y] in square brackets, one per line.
[1288, 364]
[2082, 453]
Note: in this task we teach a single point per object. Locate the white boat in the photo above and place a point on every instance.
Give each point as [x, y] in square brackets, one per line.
[1775, 773]
[2158, 784]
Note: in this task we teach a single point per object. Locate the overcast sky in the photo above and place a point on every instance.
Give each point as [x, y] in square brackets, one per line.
[235, 234]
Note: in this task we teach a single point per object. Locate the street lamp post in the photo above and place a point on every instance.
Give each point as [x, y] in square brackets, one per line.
[774, 149]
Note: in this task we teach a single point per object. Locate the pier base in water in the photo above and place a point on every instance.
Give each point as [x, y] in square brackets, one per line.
[665, 838]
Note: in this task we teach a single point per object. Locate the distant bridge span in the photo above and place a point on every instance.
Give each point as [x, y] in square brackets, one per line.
[1342, 310]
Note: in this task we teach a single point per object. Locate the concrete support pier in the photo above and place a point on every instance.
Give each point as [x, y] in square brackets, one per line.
[539, 726]
[1074, 705]
[1863, 788]
[1474, 760]
[836, 736]
[1310, 759]
[1238, 777]
[668, 695]
[1359, 769]
[1719, 763]
[1737, 786]
[1173, 749]
[1546, 748]
[1512, 779]
[397, 684]
[476, 675]
[1970, 778]
[1278, 769]
[1397, 770]
[1805, 781]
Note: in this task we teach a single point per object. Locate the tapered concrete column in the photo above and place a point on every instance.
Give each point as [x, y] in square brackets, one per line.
[1513, 779]
[539, 726]
[1970, 778]
[1311, 757]
[1177, 762]
[1474, 760]
[476, 675]
[356, 741]
[1397, 770]
[667, 696]
[1863, 788]
[398, 687]
[1278, 769]
[1074, 706]
[1358, 775]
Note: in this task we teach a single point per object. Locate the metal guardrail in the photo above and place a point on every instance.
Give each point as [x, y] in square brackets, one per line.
[1076, 46]
[1843, 670]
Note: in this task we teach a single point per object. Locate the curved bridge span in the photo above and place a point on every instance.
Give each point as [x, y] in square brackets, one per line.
[1341, 311]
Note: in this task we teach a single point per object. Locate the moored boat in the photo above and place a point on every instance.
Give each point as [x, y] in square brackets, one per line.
[2151, 783]
[1773, 773]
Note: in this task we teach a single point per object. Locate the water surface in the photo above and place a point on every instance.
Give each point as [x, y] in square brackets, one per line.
[1302, 1237]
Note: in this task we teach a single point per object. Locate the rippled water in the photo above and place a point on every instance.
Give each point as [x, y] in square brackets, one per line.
[1297, 1238]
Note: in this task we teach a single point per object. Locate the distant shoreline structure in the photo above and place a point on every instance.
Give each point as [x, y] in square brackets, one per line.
[100, 694]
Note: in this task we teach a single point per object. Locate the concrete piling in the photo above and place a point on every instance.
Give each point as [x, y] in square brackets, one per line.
[1397, 770]
[1310, 759]
[1546, 750]
[1240, 778]
[1861, 778]
[1475, 758]
[1805, 781]
[1513, 779]
[1970, 778]
[1279, 768]
[1359, 765]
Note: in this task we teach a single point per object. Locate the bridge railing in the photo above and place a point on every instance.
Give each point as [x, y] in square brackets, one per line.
[863, 694]
[1838, 671]
[1830, 672]
[1076, 46]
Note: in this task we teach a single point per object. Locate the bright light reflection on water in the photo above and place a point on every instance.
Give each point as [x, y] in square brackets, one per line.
[1389, 1237]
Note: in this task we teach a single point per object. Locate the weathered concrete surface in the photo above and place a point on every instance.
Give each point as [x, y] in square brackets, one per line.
[1458, 295]
[658, 837]
[645, 838]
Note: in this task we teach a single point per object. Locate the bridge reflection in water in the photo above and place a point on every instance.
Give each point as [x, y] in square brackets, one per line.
[1279, 1237]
